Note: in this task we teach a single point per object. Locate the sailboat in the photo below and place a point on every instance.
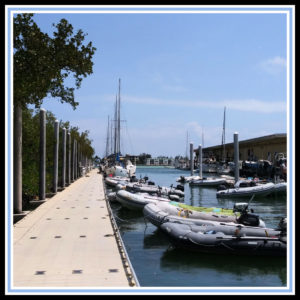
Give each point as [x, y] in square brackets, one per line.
[118, 165]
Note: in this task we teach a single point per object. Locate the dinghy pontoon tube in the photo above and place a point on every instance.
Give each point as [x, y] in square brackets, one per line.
[158, 213]
[194, 238]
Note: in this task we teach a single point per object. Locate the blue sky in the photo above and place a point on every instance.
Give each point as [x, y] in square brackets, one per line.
[177, 72]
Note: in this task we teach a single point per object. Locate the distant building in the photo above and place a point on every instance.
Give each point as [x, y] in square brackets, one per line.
[160, 161]
[265, 147]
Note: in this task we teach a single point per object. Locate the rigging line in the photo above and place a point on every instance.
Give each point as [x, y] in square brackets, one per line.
[130, 142]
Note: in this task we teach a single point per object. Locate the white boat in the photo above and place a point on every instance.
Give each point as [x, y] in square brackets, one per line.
[119, 170]
[208, 181]
[116, 165]
[153, 189]
[209, 167]
[114, 181]
[226, 169]
[257, 189]
[137, 201]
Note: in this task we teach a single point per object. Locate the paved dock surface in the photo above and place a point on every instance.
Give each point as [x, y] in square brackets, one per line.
[69, 241]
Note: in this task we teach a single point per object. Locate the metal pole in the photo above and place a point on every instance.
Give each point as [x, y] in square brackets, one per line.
[69, 159]
[200, 160]
[73, 161]
[42, 176]
[56, 143]
[17, 159]
[236, 157]
[63, 175]
[192, 159]
[75, 157]
[78, 159]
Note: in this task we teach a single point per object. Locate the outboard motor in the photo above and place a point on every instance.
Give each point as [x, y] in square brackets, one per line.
[282, 225]
[180, 187]
[133, 179]
[248, 219]
[282, 228]
[221, 187]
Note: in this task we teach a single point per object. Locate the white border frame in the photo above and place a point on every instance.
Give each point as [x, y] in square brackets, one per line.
[289, 10]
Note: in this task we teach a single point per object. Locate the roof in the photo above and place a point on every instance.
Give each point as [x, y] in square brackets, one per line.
[258, 139]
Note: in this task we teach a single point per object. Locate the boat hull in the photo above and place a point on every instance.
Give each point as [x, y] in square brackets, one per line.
[136, 201]
[208, 182]
[159, 213]
[259, 191]
[183, 236]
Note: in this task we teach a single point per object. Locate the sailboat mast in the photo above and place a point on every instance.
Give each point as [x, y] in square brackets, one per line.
[119, 119]
[115, 121]
[111, 137]
[186, 147]
[107, 140]
[223, 135]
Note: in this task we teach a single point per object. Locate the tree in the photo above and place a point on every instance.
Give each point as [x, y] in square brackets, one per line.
[143, 157]
[41, 65]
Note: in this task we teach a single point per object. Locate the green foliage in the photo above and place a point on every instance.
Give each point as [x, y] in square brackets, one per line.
[142, 159]
[41, 63]
[31, 154]
[41, 66]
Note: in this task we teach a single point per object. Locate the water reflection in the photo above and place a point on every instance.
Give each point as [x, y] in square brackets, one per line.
[245, 268]
[155, 239]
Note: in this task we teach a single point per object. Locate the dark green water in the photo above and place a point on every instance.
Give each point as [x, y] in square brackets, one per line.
[157, 264]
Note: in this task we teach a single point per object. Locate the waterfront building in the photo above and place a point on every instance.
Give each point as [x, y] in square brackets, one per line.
[268, 147]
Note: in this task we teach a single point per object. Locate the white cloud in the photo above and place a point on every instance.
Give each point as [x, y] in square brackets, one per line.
[274, 65]
[251, 105]
[172, 84]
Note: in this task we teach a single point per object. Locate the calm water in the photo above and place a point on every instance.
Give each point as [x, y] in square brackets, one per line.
[157, 264]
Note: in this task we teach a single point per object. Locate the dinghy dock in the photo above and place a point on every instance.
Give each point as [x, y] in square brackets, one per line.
[71, 240]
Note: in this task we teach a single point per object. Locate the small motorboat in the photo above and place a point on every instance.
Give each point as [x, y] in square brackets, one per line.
[208, 181]
[185, 179]
[196, 238]
[244, 188]
[137, 201]
[154, 189]
[113, 181]
[160, 212]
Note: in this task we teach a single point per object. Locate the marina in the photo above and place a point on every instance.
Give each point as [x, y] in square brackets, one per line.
[147, 153]
[169, 266]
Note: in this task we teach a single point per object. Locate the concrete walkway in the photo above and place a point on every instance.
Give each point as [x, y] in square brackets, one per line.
[69, 241]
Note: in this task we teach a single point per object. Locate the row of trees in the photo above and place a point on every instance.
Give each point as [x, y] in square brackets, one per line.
[41, 64]
[31, 151]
